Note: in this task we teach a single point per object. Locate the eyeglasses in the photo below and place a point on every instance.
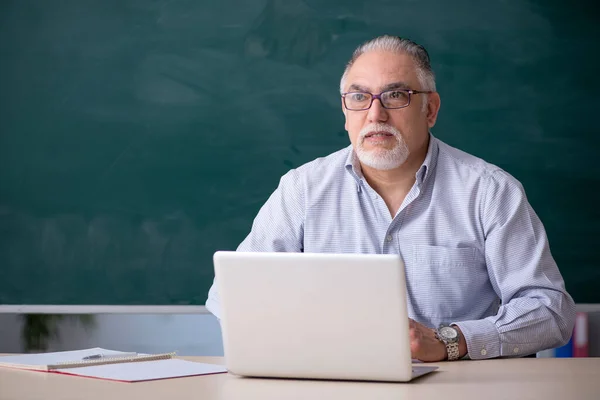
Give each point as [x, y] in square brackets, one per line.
[390, 99]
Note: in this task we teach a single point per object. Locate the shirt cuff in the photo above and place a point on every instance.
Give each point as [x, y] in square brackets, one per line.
[482, 337]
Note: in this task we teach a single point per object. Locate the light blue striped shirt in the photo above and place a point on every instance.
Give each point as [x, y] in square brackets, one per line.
[475, 252]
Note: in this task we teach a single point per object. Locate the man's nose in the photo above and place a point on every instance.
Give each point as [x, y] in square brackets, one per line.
[377, 113]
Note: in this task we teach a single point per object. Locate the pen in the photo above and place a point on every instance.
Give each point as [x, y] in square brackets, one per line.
[100, 356]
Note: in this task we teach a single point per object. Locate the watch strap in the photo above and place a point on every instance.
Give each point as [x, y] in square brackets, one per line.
[451, 346]
[453, 353]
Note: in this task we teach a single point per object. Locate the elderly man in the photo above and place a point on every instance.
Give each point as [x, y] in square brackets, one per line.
[480, 277]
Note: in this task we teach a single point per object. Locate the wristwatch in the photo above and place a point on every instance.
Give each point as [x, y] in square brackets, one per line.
[449, 336]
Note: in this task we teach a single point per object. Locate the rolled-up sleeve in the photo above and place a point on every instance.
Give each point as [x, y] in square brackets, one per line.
[536, 312]
[278, 227]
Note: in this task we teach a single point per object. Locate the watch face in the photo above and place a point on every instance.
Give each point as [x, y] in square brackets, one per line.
[448, 332]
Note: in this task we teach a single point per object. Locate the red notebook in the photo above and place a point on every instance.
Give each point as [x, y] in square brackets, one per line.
[580, 335]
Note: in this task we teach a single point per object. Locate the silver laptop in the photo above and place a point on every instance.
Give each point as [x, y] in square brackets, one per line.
[316, 316]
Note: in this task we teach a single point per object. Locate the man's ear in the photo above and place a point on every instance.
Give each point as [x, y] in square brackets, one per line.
[433, 107]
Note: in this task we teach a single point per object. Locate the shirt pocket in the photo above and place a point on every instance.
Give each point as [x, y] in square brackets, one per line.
[443, 282]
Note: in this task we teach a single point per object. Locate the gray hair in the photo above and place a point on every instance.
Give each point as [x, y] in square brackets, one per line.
[398, 45]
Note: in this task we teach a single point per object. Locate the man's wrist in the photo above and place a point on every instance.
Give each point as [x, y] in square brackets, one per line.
[462, 343]
[449, 338]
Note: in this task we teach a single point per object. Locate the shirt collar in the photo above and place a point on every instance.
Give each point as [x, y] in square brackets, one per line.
[353, 167]
[425, 170]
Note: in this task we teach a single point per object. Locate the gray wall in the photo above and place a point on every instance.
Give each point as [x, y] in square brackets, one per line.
[189, 334]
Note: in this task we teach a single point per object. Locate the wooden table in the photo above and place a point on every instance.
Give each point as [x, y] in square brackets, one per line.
[543, 378]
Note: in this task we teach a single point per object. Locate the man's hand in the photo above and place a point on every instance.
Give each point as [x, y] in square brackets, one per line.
[426, 347]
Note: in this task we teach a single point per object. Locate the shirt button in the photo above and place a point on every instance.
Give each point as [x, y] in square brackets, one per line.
[516, 350]
[388, 238]
[483, 352]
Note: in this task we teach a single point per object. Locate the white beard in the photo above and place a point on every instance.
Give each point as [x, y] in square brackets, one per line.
[382, 158]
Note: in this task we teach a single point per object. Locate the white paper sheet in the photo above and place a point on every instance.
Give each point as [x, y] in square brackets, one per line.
[146, 370]
[129, 372]
[41, 360]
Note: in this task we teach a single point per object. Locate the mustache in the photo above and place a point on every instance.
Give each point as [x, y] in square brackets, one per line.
[379, 127]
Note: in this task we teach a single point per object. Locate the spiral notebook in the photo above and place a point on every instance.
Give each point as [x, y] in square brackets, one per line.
[111, 364]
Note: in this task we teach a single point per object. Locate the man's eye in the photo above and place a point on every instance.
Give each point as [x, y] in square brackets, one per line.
[397, 95]
[358, 97]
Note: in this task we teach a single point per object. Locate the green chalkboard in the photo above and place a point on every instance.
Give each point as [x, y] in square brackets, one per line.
[137, 137]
